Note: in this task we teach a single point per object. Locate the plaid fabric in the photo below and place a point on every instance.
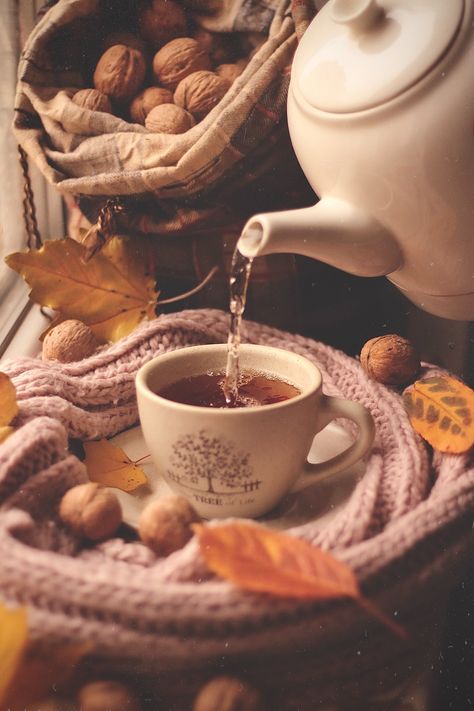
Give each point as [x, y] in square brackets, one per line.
[93, 155]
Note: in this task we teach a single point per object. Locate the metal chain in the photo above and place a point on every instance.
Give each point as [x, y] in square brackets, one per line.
[29, 209]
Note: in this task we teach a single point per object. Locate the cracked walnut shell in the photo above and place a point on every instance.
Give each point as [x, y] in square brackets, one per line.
[169, 118]
[177, 59]
[93, 100]
[199, 92]
[120, 72]
[146, 100]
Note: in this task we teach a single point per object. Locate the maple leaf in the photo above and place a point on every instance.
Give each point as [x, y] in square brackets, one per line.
[441, 410]
[108, 465]
[8, 406]
[265, 561]
[111, 293]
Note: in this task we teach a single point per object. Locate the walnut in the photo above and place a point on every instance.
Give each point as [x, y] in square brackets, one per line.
[165, 524]
[225, 693]
[199, 92]
[222, 47]
[107, 696]
[91, 510]
[169, 118]
[177, 59]
[390, 359]
[146, 100]
[69, 341]
[127, 38]
[160, 21]
[120, 72]
[230, 72]
[93, 100]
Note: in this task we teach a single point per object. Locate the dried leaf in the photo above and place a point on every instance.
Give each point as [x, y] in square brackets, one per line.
[110, 466]
[111, 293]
[261, 560]
[13, 641]
[441, 410]
[8, 403]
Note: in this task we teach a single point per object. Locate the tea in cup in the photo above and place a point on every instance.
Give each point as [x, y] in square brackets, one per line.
[240, 460]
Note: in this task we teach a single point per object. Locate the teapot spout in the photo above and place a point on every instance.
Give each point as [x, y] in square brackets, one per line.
[332, 231]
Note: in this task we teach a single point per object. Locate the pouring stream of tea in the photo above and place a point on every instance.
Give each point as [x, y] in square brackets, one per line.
[238, 282]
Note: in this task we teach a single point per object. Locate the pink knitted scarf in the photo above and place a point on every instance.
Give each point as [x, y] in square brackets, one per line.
[402, 531]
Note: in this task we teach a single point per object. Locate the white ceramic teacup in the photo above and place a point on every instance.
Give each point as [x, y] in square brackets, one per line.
[241, 461]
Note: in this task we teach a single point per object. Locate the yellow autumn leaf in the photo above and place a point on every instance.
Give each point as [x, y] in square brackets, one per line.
[8, 403]
[111, 293]
[108, 465]
[13, 642]
[441, 410]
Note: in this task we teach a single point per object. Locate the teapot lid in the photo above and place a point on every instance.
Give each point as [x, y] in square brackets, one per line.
[358, 54]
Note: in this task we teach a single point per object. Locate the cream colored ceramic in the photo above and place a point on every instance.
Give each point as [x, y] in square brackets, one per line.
[319, 502]
[242, 462]
[381, 116]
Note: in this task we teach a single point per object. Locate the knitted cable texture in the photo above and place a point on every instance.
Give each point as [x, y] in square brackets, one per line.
[405, 531]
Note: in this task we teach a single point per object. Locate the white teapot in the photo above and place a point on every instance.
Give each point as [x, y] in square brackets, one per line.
[381, 117]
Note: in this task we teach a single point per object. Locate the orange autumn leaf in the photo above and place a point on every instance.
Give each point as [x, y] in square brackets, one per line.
[260, 560]
[441, 410]
[108, 465]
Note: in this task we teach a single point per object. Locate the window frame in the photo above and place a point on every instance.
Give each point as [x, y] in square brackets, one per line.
[19, 18]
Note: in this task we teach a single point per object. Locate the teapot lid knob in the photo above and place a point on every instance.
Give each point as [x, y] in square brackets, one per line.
[359, 15]
[358, 54]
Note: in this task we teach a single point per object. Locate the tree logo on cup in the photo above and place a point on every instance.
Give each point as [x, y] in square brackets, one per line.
[207, 464]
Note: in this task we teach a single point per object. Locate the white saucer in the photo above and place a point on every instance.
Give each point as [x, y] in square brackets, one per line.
[319, 501]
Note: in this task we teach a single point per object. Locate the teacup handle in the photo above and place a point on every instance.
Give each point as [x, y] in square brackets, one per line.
[331, 408]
